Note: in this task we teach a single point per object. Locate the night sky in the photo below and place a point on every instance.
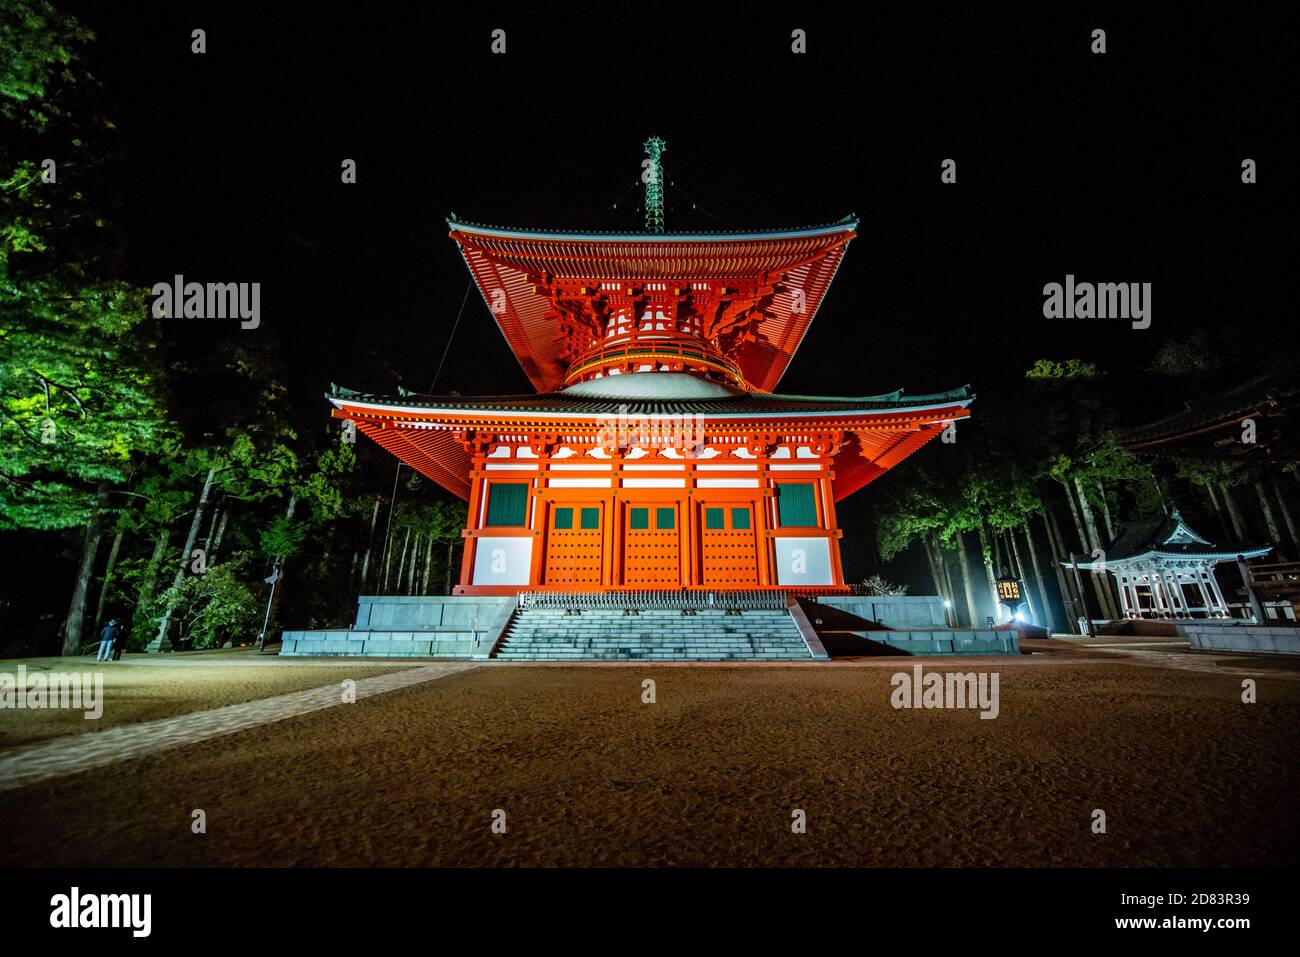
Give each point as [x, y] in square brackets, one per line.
[1122, 167]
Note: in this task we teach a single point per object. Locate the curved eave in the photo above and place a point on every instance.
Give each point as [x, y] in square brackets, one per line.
[875, 439]
[846, 225]
[1155, 556]
[416, 413]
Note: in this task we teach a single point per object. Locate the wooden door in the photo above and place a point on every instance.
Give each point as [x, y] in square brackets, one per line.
[574, 544]
[728, 545]
[652, 555]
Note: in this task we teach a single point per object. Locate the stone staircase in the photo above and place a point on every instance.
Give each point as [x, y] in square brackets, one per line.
[551, 632]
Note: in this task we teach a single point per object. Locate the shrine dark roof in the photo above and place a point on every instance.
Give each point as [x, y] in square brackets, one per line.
[1167, 536]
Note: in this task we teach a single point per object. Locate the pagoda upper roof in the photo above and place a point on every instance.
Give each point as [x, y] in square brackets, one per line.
[516, 268]
[636, 236]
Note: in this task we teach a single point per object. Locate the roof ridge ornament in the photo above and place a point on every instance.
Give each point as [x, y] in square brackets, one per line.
[652, 174]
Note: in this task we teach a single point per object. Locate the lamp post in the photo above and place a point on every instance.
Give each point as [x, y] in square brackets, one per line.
[274, 577]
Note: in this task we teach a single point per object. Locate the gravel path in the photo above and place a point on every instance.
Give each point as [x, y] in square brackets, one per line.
[69, 755]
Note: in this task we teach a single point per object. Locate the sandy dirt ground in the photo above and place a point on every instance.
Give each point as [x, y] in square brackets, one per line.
[709, 775]
[142, 688]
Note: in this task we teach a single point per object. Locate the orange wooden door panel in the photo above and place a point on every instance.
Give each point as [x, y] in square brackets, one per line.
[574, 544]
[652, 545]
[729, 548]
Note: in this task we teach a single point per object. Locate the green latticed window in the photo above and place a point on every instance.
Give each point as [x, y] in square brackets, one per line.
[507, 505]
[796, 505]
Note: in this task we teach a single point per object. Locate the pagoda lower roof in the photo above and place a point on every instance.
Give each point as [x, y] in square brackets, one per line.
[746, 405]
[879, 431]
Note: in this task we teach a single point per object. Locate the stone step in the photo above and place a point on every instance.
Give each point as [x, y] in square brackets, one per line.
[658, 634]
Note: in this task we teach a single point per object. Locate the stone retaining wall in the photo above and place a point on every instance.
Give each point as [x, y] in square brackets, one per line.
[1230, 636]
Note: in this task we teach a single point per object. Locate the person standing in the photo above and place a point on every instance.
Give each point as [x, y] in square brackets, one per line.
[106, 639]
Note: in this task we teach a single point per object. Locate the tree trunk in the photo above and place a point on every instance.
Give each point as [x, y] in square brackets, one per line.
[944, 582]
[388, 531]
[277, 592]
[1086, 547]
[387, 559]
[370, 542]
[947, 578]
[327, 551]
[352, 570]
[1105, 511]
[221, 531]
[160, 642]
[1160, 493]
[1069, 601]
[1049, 614]
[1218, 512]
[450, 545]
[212, 527]
[1034, 616]
[428, 564]
[401, 565]
[415, 560]
[1286, 511]
[935, 558]
[108, 581]
[1237, 527]
[1078, 522]
[963, 559]
[988, 572]
[75, 623]
[1100, 580]
[150, 580]
[1274, 533]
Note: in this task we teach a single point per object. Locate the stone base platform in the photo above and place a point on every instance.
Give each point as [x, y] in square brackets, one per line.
[727, 626]
[400, 626]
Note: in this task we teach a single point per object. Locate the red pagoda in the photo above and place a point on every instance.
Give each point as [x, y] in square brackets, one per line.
[655, 454]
